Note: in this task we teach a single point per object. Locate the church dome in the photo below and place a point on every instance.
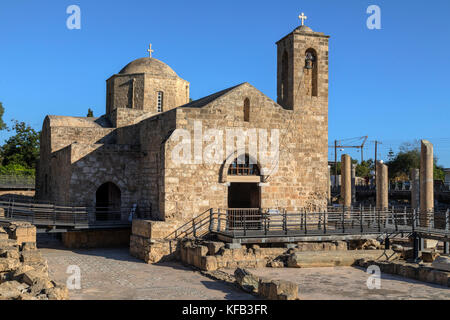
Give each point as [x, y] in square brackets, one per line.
[150, 66]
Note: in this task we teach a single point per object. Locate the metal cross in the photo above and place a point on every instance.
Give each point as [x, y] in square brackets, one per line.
[150, 51]
[303, 18]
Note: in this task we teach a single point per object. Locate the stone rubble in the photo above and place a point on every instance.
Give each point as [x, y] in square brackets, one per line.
[23, 270]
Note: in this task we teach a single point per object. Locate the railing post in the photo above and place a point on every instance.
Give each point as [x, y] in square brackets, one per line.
[325, 219]
[266, 215]
[343, 219]
[379, 221]
[306, 224]
[447, 221]
[194, 231]
[285, 221]
[361, 218]
[218, 220]
[244, 217]
[211, 219]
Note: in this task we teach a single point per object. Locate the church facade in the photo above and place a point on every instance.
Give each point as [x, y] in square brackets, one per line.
[151, 149]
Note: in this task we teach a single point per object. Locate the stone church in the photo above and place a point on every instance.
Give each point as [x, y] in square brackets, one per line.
[124, 159]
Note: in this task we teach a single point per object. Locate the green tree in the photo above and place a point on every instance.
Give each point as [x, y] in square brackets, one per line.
[408, 158]
[364, 168]
[90, 113]
[391, 155]
[2, 112]
[22, 148]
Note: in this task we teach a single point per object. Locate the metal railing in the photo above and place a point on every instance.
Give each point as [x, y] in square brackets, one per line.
[69, 216]
[17, 182]
[334, 221]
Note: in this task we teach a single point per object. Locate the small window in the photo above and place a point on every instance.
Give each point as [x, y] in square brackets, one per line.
[160, 101]
[243, 168]
[247, 110]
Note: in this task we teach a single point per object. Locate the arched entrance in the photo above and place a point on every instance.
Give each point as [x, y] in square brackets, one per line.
[244, 194]
[108, 202]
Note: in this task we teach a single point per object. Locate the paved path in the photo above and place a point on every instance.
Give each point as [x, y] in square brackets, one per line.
[114, 274]
[348, 283]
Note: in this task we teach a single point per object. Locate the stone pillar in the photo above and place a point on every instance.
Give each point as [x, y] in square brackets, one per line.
[426, 182]
[382, 186]
[353, 183]
[415, 189]
[346, 180]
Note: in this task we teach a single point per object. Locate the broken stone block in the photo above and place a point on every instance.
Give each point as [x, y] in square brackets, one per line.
[208, 263]
[11, 289]
[442, 263]
[26, 246]
[8, 264]
[277, 289]
[19, 272]
[3, 234]
[275, 264]
[29, 257]
[246, 280]
[429, 256]
[214, 247]
[58, 292]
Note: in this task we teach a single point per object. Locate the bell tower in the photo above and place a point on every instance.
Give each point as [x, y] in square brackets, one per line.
[302, 70]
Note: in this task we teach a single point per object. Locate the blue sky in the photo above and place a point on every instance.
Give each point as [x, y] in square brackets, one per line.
[390, 84]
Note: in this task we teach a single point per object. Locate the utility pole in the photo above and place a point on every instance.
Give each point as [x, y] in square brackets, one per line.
[336, 146]
[376, 153]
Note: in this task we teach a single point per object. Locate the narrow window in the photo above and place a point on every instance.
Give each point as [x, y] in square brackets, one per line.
[284, 77]
[160, 101]
[311, 65]
[247, 110]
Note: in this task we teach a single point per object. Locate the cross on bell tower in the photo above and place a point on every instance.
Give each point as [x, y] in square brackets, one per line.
[303, 18]
[150, 51]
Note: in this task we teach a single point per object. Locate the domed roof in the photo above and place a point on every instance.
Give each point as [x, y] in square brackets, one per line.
[149, 65]
[304, 29]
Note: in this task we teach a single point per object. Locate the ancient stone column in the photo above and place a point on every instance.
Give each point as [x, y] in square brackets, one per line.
[426, 182]
[382, 186]
[346, 180]
[415, 189]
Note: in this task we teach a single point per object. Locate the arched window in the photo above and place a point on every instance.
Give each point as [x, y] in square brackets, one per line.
[243, 168]
[247, 110]
[160, 101]
[311, 65]
[284, 77]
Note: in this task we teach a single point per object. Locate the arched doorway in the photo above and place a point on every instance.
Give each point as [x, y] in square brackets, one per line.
[108, 202]
[244, 194]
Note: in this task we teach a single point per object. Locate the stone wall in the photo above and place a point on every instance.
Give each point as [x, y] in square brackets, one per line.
[414, 271]
[96, 238]
[148, 243]
[212, 255]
